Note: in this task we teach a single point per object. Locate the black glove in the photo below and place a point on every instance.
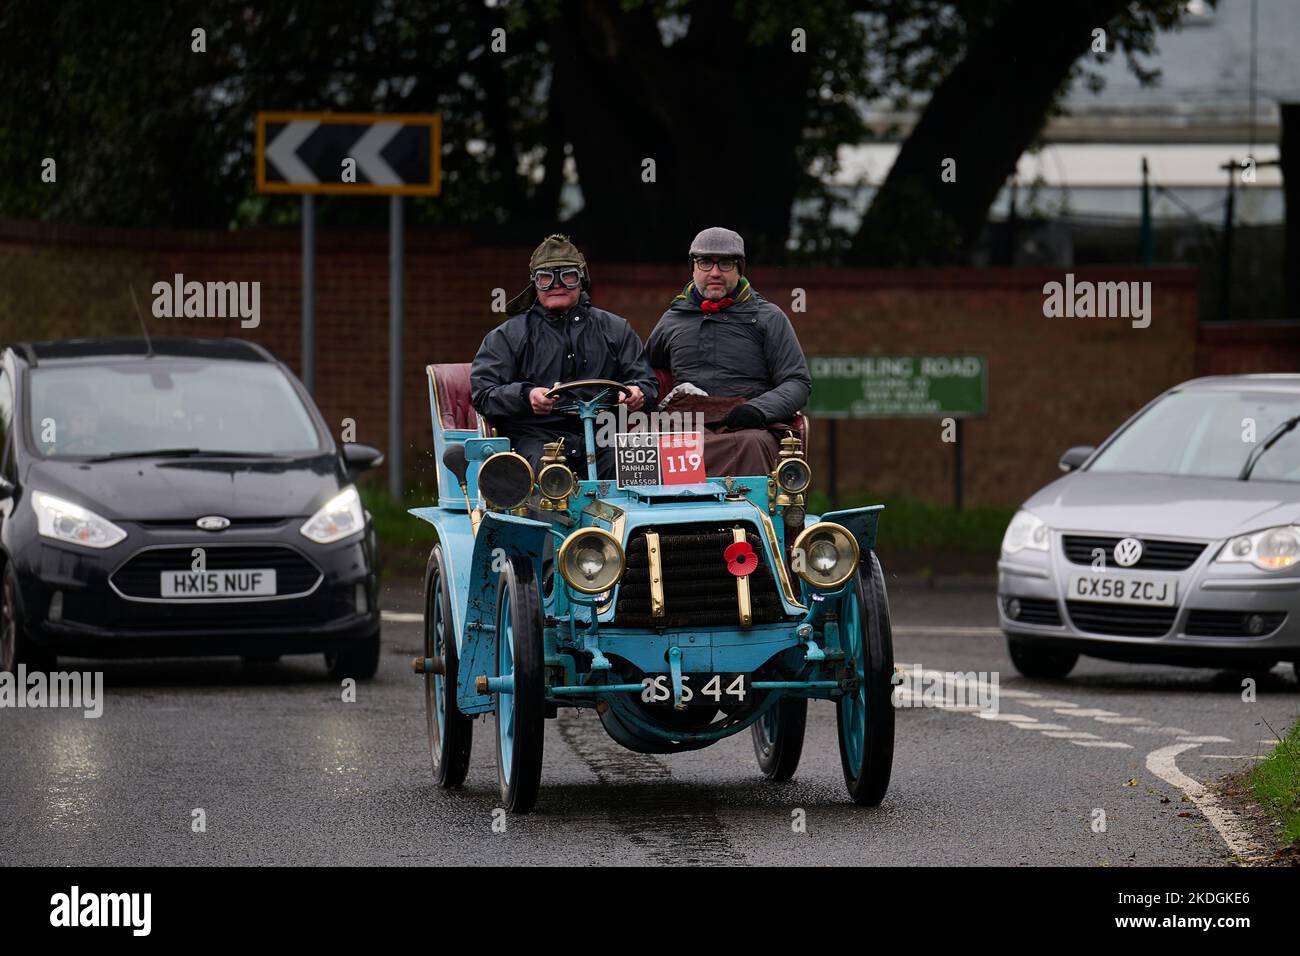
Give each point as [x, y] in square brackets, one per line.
[743, 416]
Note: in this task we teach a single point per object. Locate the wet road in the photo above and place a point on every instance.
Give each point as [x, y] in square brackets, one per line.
[285, 771]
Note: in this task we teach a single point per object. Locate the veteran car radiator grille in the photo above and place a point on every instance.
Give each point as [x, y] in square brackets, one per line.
[698, 588]
[1156, 555]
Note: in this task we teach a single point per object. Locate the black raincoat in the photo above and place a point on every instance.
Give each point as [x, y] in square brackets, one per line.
[748, 349]
[537, 349]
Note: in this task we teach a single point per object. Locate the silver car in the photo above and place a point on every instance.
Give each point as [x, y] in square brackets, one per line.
[1176, 541]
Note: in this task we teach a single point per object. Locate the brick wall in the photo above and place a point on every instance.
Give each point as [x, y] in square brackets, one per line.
[1052, 382]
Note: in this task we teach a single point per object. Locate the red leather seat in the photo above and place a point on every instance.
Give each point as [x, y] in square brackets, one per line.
[454, 406]
[665, 379]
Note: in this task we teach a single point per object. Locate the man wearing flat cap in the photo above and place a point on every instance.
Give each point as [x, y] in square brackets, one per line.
[727, 341]
[554, 334]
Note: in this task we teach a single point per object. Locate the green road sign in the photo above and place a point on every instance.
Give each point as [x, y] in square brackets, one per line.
[898, 386]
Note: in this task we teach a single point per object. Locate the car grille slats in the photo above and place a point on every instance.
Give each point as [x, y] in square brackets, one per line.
[1209, 623]
[698, 588]
[141, 575]
[1037, 611]
[1157, 555]
[211, 617]
[1123, 620]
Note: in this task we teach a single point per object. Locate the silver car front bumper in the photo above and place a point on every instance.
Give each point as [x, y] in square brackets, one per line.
[1219, 608]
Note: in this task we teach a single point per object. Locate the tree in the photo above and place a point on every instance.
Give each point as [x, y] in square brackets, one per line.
[1020, 58]
[742, 109]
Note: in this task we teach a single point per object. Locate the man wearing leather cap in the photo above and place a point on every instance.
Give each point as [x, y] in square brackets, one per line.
[730, 343]
[554, 334]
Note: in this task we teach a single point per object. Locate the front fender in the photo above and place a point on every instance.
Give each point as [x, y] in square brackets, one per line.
[457, 539]
[500, 537]
[860, 522]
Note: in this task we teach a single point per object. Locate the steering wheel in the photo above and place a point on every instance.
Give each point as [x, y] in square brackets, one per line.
[576, 407]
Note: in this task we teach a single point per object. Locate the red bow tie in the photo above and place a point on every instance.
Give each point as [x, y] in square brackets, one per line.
[708, 305]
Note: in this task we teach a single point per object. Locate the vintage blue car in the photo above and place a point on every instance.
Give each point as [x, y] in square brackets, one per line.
[681, 614]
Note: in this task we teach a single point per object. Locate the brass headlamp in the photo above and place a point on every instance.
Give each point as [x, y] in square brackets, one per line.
[789, 480]
[555, 481]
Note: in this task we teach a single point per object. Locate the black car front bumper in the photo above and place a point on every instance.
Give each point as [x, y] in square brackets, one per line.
[80, 602]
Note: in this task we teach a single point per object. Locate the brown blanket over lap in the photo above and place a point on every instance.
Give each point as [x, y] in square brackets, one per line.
[749, 451]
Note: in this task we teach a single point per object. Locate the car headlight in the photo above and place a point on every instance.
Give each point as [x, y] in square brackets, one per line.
[826, 555]
[793, 476]
[341, 516]
[1273, 549]
[64, 521]
[591, 560]
[1026, 530]
[505, 480]
[556, 481]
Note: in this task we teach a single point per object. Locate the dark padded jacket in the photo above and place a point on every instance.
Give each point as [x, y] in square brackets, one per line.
[538, 348]
[748, 349]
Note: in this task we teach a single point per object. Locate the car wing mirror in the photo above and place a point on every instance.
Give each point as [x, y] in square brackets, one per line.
[360, 457]
[7, 487]
[1075, 457]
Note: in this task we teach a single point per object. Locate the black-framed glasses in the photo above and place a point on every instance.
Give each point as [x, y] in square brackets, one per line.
[726, 264]
[569, 277]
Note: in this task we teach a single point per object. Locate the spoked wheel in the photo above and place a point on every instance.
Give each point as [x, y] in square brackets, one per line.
[15, 645]
[778, 738]
[521, 715]
[451, 733]
[866, 715]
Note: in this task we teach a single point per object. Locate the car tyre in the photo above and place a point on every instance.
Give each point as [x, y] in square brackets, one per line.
[16, 645]
[865, 715]
[359, 661]
[1034, 659]
[521, 716]
[778, 738]
[451, 733]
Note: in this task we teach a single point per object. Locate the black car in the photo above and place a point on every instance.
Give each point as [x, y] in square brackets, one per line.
[179, 497]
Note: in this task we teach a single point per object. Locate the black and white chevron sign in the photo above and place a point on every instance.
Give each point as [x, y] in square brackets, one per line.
[359, 153]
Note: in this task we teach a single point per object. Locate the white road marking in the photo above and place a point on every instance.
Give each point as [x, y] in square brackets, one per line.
[1123, 720]
[1162, 763]
[1048, 703]
[1071, 734]
[1188, 738]
[1113, 744]
[1075, 711]
[1038, 725]
[401, 617]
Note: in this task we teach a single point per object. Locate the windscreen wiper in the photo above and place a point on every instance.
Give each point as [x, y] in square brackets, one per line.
[179, 453]
[1269, 442]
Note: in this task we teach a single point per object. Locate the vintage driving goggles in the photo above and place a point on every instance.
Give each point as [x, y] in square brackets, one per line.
[570, 277]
